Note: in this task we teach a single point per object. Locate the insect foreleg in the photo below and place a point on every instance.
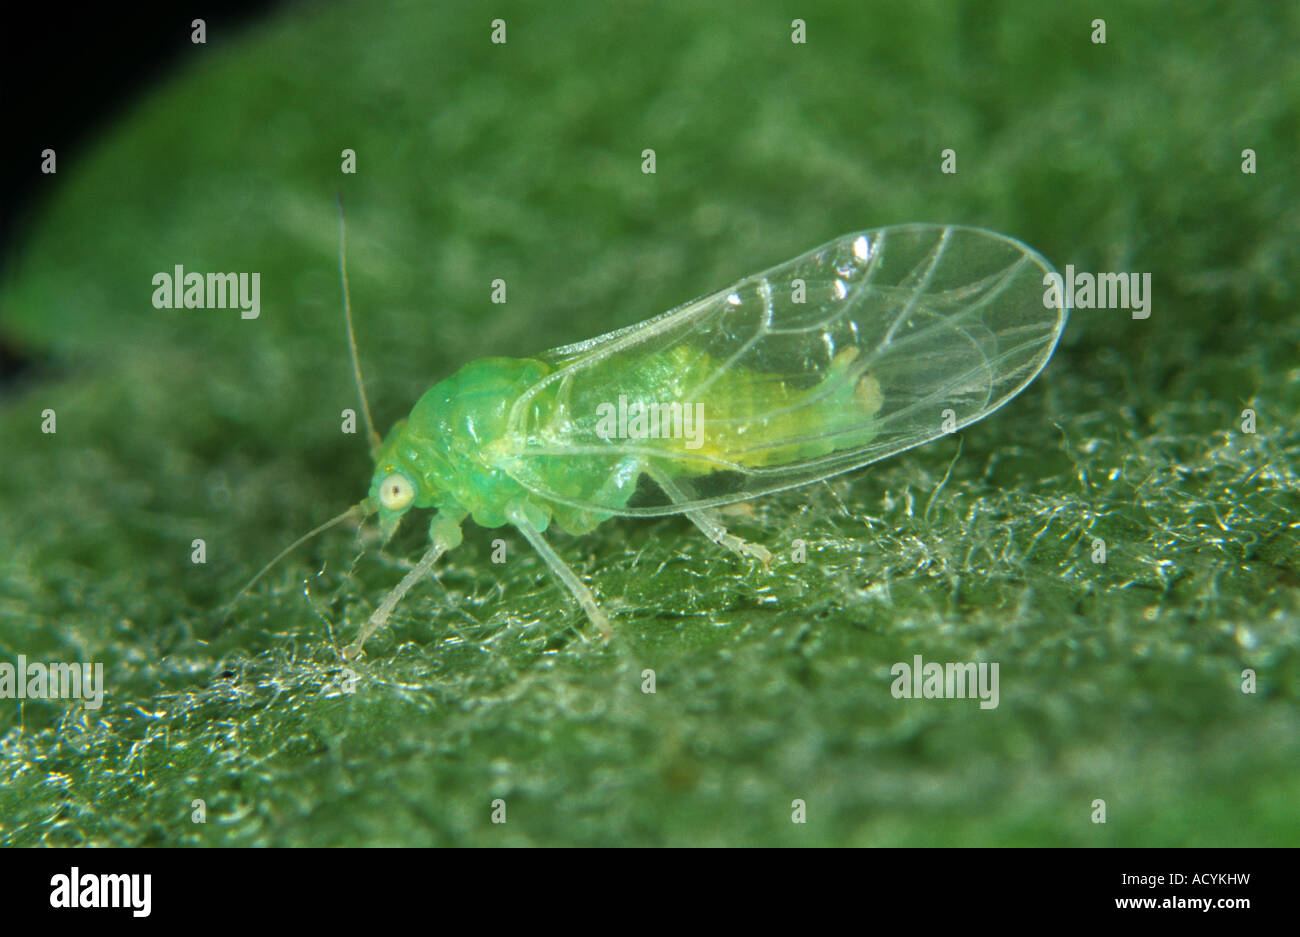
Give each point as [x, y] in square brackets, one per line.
[519, 518]
[708, 522]
[444, 535]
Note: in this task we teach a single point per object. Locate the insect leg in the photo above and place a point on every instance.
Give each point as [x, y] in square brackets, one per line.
[561, 569]
[379, 617]
[708, 522]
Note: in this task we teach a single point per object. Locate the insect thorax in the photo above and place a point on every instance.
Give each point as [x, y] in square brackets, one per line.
[446, 445]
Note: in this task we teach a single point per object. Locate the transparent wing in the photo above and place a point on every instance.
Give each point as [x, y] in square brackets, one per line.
[869, 345]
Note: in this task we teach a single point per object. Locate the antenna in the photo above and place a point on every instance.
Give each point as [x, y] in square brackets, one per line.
[352, 339]
[363, 509]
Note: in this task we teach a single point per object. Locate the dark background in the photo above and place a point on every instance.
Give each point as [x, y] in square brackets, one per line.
[70, 73]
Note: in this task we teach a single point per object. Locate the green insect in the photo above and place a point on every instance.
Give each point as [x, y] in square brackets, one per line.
[866, 346]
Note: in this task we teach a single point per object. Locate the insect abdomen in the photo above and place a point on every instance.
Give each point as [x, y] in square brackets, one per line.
[755, 419]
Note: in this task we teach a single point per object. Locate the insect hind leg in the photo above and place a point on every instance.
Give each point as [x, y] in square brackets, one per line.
[709, 523]
[576, 586]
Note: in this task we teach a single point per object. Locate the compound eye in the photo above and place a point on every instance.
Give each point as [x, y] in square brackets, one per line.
[396, 493]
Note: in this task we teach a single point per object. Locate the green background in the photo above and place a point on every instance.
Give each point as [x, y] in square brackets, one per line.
[1119, 682]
